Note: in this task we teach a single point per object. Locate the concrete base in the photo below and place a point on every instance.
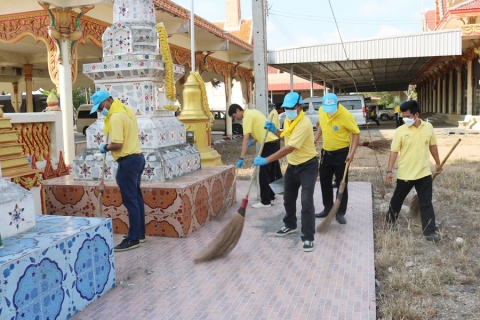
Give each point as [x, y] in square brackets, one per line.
[56, 269]
[172, 209]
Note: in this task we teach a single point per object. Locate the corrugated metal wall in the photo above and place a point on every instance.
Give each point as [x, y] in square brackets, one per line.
[428, 44]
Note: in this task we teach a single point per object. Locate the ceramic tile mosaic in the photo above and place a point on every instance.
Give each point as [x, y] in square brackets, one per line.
[57, 268]
[172, 209]
[17, 208]
[264, 277]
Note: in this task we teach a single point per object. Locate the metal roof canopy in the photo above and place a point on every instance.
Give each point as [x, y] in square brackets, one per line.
[383, 64]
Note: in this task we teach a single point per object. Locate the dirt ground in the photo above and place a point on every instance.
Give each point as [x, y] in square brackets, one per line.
[417, 279]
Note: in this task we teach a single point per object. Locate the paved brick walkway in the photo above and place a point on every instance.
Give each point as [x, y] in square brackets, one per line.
[264, 277]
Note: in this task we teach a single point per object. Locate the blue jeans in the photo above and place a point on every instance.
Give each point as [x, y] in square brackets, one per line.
[303, 175]
[129, 176]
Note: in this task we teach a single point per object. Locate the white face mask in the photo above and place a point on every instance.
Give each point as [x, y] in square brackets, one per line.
[408, 121]
[331, 114]
[291, 114]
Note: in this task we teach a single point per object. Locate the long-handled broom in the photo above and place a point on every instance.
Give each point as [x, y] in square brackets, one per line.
[101, 187]
[228, 200]
[228, 237]
[323, 227]
[415, 204]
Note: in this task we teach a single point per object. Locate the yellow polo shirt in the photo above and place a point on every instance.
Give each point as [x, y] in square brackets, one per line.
[396, 109]
[124, 129]
[336, 130]
[301, 139]
[275, 119]
[414, 144]
[253, 123]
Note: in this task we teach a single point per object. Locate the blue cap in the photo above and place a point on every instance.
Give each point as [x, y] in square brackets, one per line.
[292, 99]
[97, 98]
[396, 102]
[330, 102]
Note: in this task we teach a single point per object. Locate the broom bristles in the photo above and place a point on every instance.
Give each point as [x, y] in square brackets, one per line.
[225, 240]
[227, 203]
[323, 227]
[415, 207]
[381, 146]
[98, 209]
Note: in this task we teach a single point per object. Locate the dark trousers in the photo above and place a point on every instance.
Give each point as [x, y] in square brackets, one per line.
[333, 163]
[398, 120]
[424, 192]
[268, 173]
[303, 175]
[129, 175]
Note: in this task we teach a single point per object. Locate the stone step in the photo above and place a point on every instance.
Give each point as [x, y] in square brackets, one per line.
[10, 149]
[5, 123]
[8, 136]
[13, 162]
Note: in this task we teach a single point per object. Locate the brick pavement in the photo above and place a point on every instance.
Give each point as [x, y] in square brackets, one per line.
[264, 277]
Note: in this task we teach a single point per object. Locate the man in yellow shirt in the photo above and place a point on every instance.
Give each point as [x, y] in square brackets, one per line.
[396, 110]
[121, 125]
[336, 124]
[415, 140]
[302, 168]
[253, 122]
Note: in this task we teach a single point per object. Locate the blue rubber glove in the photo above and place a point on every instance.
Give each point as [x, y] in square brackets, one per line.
[259, 161]
[239, 163]
[270, 126]
[102, 148]
[250, 143]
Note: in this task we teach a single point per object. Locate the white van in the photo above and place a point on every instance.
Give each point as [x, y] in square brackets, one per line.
[84, 118]
[355, 103]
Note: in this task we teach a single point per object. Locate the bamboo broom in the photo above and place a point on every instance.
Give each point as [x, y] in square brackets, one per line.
[323, 227]
[228, 200]
[228, 237]
[101, 187]
[382, 146]
[415, 203]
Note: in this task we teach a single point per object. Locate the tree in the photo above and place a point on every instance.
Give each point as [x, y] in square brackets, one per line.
[386, 97]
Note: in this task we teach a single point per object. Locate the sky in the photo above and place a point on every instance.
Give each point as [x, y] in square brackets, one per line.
[295, 23]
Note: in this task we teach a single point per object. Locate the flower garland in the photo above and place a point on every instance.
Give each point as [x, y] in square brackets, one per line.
[169, 74]
[205, 106]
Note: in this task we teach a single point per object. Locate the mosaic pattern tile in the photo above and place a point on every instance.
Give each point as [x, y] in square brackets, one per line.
[17, 208]
[173, 209]
[57, 268]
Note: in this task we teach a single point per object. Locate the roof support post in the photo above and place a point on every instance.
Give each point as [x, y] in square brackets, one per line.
[438, 108]
[469, 88]
[444, 93]
[450, 92]
[459, 90]
[192, 37]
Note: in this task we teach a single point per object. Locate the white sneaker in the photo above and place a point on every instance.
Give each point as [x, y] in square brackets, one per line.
[261, 205]
[272, 202]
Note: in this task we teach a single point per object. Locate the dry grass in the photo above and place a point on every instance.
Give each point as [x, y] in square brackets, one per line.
[443, 282]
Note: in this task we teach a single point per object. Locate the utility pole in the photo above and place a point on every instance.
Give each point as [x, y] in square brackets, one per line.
[259, 10]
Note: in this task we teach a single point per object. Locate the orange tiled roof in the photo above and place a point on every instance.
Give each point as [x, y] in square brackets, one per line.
[430, 17]
[244, 33]
[468, 6]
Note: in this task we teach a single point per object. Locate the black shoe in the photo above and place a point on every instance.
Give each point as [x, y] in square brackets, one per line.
[284, 231]
[127, 244]
[322, 214]
[307, 246]
[141, 240]
[433, 237]
[341, 219]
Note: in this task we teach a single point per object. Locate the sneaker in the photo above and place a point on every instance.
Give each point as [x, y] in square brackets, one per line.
[307, 246]
[284, 231]
[261, 205]
[433, 237]
[322, 214]
[341, 219]
[272, 202]
[141, 240]
[127, 244]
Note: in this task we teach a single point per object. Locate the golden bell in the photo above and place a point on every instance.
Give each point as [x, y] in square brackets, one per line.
[192, 102]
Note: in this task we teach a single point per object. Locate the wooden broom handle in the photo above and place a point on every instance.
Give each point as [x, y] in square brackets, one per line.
[348, 163]
[446, 158]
